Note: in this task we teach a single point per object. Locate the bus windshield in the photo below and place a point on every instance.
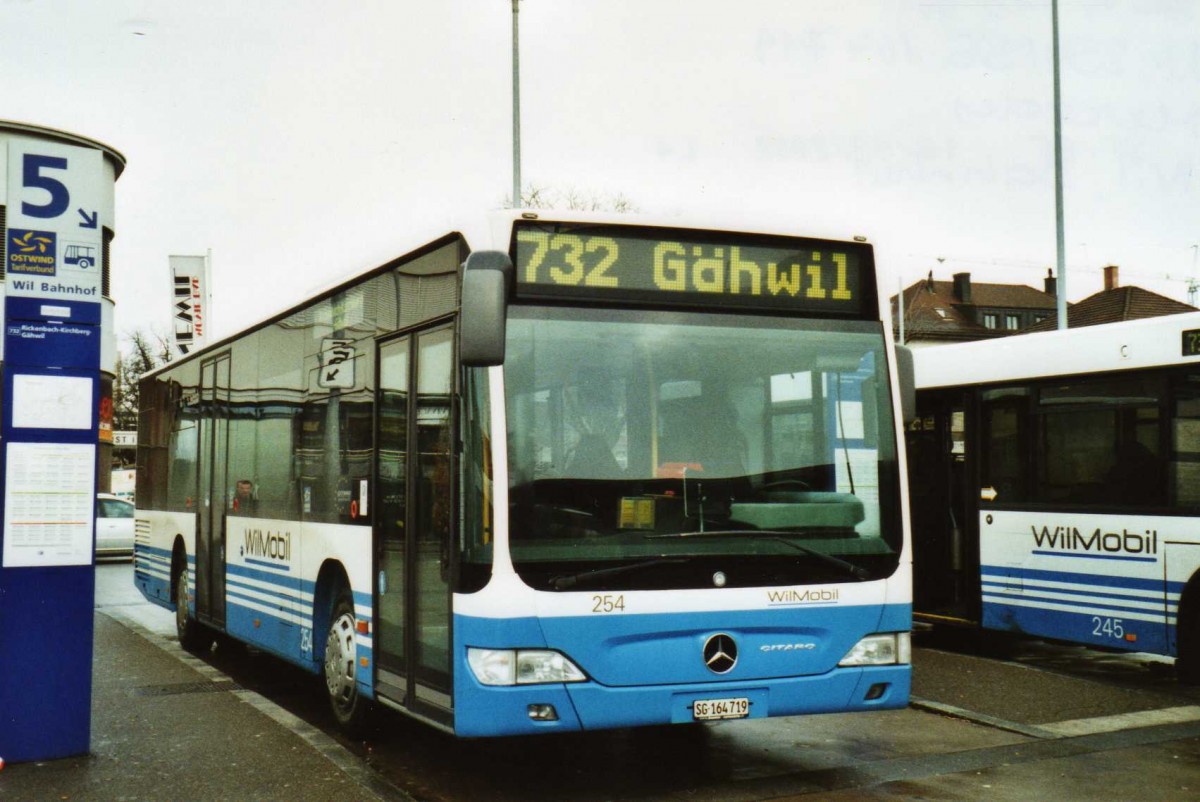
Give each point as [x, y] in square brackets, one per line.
[653, 450]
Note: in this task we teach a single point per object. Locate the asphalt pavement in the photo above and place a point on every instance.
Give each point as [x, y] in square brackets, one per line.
[167, 726]
[1044, 723]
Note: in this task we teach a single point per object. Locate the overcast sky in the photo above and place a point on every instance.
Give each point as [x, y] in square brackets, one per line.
[305, 141]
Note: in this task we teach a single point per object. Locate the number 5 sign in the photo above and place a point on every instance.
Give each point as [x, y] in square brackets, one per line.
[56, 195]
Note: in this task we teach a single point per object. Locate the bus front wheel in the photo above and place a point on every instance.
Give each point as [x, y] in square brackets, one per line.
[341, 658]
[193, 636]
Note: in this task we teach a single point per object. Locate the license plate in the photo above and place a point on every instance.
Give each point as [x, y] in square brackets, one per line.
[710, 709]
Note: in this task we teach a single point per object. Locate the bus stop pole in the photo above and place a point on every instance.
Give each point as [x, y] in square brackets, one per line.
[57, 325]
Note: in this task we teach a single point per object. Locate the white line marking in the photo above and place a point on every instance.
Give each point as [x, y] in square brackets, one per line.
[1124, 721]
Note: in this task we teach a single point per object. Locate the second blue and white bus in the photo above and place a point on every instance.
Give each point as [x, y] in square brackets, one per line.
[1055, 482]
[564, 473]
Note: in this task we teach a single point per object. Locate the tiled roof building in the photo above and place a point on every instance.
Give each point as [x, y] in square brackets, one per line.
[959, 310]
[1114, 304]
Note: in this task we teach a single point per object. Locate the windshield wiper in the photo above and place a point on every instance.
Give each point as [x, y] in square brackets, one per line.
[856, 571]
[571, 580]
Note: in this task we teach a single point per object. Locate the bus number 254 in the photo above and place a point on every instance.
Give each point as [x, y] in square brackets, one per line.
[306, 641]
[1107, 628]
[608, 604]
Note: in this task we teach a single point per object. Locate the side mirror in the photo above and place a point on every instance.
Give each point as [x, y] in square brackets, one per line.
[484, 311]
[908, 383]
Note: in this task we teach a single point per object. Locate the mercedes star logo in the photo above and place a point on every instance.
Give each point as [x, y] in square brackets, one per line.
[720, 654]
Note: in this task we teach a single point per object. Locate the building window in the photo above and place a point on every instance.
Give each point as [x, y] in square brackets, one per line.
[989, 320]
[1012, 322]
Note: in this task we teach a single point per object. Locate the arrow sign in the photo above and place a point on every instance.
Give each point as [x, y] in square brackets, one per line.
[987, 493]
[337, 363]
[89, 221]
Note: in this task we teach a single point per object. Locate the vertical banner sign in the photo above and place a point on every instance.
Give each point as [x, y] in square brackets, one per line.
[189, 301]
[58, 201]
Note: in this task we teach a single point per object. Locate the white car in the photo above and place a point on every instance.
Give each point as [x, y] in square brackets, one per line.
[114, 526]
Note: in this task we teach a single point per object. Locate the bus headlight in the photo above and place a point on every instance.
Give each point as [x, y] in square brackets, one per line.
[546, 666]
[493, 666]
[522, 667]
[891, 648]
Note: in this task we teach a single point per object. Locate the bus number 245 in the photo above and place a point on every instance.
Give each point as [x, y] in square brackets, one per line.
[1108, 628]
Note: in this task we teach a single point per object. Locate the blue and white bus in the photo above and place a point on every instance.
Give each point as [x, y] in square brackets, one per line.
[1055, 481]
[569, 473]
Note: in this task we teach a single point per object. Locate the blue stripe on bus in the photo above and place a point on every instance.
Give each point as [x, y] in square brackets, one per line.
[361, 598]
[266, 576]
[306, 586]
[282, 586]
[266, 631]
[277, 592]
[1155, 596]
[1156, 637]
[273, 633]
[282, 638]
[1099, 606]
[1102, 580]
[1096, 556]
[154, 589]
[265, 564]
[237, 593]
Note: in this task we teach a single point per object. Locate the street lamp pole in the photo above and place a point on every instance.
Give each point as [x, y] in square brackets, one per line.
[1058, 178]
[516, 98]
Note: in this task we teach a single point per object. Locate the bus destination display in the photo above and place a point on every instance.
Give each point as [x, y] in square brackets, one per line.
[1191, 342]
[689, 267]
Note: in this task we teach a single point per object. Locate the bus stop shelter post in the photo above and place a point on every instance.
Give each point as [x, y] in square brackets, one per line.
[57, 345]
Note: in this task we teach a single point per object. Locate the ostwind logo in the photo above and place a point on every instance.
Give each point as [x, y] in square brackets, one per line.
[33, 242]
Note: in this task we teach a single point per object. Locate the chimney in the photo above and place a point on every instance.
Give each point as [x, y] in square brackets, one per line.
[1051, 283]
[962, 287]
[1110, 278]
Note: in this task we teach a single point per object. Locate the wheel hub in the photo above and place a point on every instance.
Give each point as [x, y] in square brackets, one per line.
[340, 657]
[181, 602]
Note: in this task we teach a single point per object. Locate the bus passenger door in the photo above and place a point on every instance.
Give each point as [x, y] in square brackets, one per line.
[214, 456]
[415, 493]
[944, 514]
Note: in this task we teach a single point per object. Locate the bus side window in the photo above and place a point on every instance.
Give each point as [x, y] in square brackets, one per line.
[1186, 450]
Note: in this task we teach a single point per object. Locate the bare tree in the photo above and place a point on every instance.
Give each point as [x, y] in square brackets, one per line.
[536, 196]
[141, 351]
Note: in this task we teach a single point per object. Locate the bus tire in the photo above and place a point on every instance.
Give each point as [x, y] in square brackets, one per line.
[1187, 635]
[341, 660]
[193, 636]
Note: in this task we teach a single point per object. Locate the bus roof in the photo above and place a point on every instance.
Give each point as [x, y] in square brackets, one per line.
[493, 231]
[1105, 348]
[502, 221]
